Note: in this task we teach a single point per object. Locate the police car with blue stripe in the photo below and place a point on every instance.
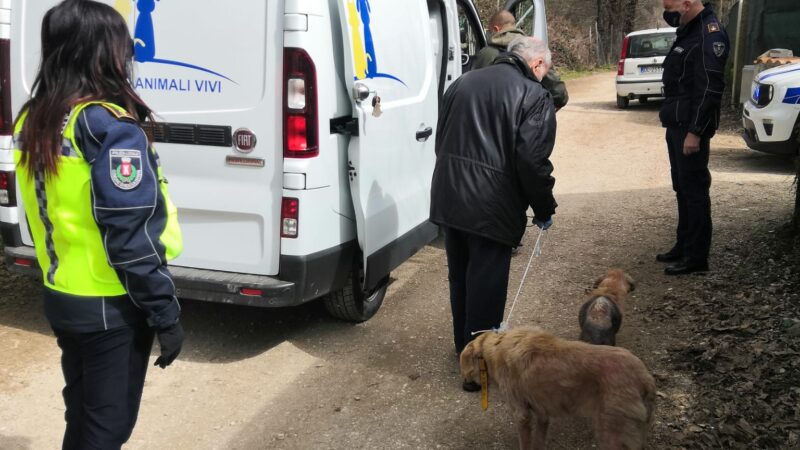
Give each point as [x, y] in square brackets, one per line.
[771, 117]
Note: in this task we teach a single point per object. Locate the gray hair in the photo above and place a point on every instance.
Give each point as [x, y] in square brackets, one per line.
[530, 48]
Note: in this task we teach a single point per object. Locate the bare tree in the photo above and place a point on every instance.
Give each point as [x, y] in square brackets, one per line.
[615, 19]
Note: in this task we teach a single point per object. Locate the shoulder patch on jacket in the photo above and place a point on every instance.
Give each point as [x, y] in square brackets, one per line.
[118, 114]
[718, 48]
[713, 27]
[126, 168]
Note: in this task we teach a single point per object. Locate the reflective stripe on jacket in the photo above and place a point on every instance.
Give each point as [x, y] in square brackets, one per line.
[103, 226]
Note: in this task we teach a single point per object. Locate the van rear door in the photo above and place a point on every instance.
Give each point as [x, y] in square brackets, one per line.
[207, 69]
[391, 72]
[530, 17]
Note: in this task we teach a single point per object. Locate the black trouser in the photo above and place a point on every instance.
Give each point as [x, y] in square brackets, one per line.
[478, 274]
[104, 373]
[691, 181]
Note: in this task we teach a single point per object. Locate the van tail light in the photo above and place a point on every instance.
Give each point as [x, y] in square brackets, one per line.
[300, 110]
[622, 56]
[8, 189]
[290, 208]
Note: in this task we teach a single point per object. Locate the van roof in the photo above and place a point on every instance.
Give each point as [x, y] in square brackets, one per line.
[652, 31]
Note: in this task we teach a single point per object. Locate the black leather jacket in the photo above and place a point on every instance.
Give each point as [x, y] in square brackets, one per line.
[694, 76]
[496, 131]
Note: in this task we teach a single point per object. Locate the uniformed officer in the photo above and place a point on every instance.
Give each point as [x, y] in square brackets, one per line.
[101, 221]
[693, 85]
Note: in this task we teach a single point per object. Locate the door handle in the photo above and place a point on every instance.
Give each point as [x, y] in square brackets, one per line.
[423, 135]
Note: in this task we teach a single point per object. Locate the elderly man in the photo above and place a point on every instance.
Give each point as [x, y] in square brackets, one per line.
[495, 134]
[693, 85]
[503, 30]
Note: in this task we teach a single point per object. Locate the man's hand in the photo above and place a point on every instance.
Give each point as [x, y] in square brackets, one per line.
[691, 144]
[543, 224]
[171, 340]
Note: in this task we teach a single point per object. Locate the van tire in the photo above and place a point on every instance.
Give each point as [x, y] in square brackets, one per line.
[351, 303]
[643, 100]
[622, 102]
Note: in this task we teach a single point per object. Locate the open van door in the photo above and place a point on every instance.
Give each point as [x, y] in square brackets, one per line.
[530, 17]
[392, 77]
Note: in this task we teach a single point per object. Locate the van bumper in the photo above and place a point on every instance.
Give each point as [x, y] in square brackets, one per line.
[302, 278]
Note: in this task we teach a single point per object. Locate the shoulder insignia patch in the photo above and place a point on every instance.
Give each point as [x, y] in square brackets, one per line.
[118, 114]
[126, 168]
[718, 48]
[713, 27]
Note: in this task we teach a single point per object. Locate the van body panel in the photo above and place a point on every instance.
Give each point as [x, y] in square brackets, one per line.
[391, 160]
[364, 197]
[188, 77]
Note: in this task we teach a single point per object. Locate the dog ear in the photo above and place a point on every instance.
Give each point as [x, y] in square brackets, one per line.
[477, 345]
[629, 279]
[598, 281]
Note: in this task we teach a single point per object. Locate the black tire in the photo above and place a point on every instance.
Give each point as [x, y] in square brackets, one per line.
[351, 303]
[643, 100]
[622, 102]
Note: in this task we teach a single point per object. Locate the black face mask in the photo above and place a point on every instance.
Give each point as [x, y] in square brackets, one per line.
[673, 18]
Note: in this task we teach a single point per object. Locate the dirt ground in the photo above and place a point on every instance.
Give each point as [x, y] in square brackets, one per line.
[297, 379]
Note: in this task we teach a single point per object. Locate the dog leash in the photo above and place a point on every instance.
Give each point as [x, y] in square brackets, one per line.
[537, 251]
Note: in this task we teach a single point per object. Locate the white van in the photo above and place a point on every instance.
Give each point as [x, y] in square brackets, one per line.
[297, 136]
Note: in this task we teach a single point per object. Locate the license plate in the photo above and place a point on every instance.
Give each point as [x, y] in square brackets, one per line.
[651, 69]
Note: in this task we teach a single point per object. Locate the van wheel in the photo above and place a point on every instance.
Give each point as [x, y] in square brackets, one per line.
[622, 102]
[352, 303]
[643, 100]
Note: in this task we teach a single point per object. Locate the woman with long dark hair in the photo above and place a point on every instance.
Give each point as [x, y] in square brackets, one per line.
[101, 220]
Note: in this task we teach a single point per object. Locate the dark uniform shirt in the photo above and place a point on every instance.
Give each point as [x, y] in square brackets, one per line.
[694, 75]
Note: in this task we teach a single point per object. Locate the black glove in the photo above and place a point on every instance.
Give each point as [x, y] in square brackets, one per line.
[171, 340]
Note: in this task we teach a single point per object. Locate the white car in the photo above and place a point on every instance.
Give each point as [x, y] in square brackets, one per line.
[770, 116]
[640, 66]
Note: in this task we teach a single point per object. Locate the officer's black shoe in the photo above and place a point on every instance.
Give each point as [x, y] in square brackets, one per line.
[673, 255]
[471, 386]
[686, 265]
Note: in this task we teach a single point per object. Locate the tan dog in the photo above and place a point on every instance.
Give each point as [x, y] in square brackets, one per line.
[542, 376]
[601, 316]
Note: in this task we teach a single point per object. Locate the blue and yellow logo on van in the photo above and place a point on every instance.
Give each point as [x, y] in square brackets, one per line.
[365, 58]
[144, 37]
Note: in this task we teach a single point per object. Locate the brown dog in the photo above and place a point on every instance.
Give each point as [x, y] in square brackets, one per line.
[543, 376]
[601, 316]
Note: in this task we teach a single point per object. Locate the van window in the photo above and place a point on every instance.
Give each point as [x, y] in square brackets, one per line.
[649, 45]
[467, 30]
[525, 13]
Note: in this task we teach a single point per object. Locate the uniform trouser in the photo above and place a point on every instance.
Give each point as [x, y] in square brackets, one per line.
[104, 373]
[691, 182]
[478, 274]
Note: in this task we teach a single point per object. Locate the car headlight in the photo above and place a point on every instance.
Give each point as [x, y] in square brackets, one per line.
[762, 94]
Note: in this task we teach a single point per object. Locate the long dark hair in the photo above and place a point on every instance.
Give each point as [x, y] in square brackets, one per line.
[87, 54]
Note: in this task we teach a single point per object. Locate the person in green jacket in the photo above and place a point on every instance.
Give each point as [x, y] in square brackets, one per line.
[503, 29]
